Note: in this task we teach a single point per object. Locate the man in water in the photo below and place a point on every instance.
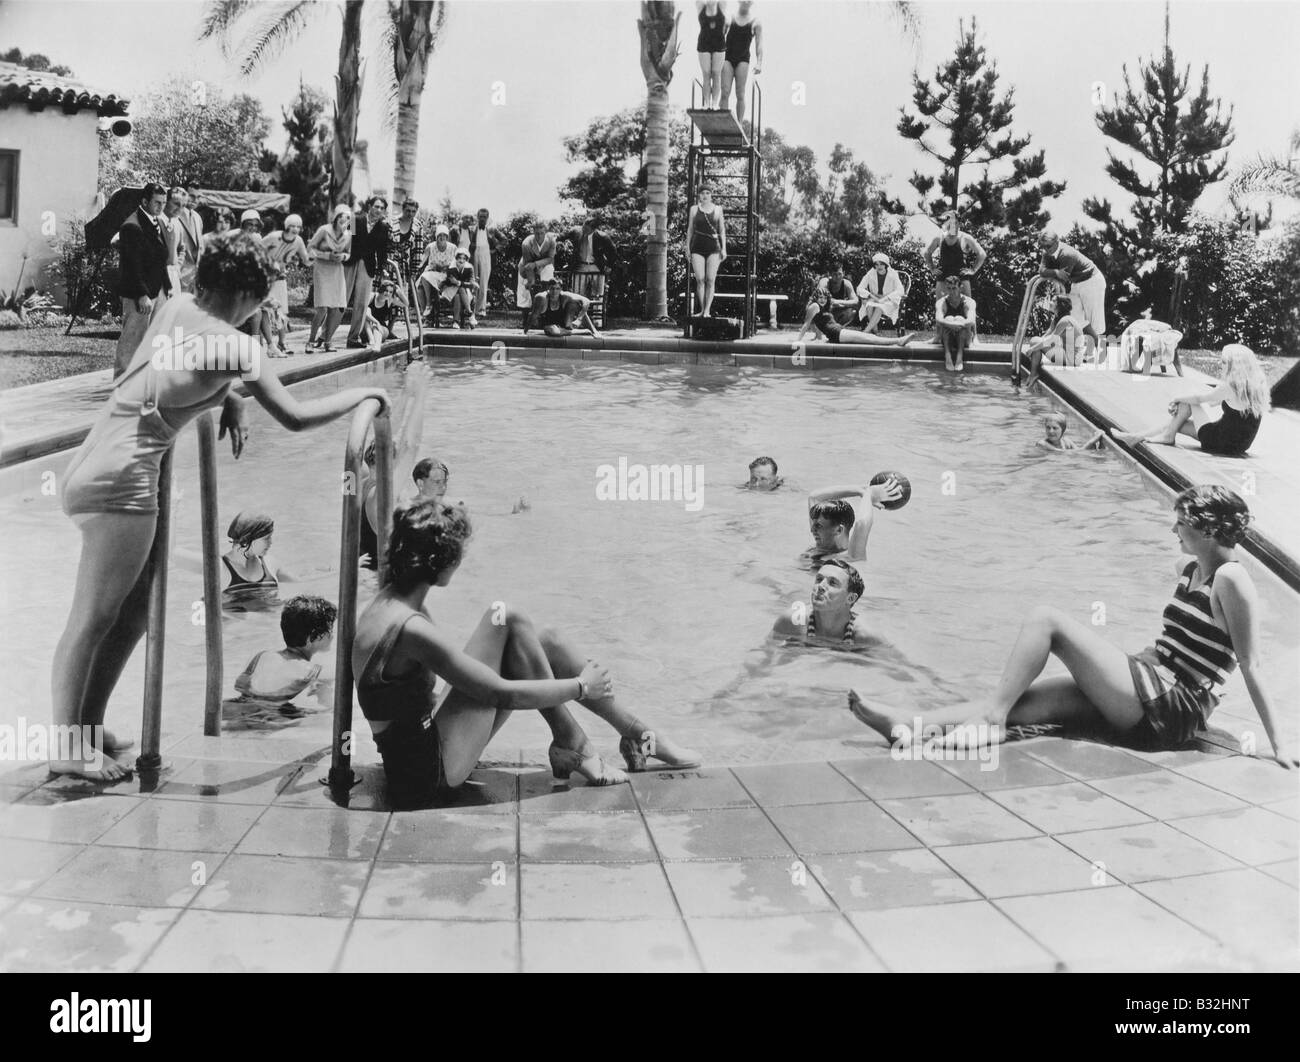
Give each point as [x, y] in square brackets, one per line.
[837, 530]
[837, 587]
[762, 475]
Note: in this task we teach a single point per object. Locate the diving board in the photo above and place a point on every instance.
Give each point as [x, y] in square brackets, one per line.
[718, 128]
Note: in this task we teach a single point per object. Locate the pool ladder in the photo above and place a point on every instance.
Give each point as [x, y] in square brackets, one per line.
[1022, 325]
[366, 416]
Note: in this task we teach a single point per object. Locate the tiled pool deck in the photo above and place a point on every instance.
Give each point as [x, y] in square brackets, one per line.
[1071, 855]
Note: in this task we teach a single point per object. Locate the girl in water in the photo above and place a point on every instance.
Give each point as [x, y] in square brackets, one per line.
[110, 489]
[429, 744]
[1243, 395]
[706, 247]
[1159, 697]
[711, 46]
[743, 35]
[252, 579]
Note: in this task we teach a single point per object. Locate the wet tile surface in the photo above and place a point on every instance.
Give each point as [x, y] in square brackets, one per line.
[1069, 854]
[810, 943]
[890, 879]
[954, 937]
[47, 936]
[232, 942]
[1060, 808]
[1019, 868]
[1145, 852]
[958, 819]
[1231, 906]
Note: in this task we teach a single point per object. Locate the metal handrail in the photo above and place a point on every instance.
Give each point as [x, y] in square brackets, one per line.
[150, 758]
[1022, 323]
[367, 414]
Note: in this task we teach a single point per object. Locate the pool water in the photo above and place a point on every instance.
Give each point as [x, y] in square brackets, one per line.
[678, 599]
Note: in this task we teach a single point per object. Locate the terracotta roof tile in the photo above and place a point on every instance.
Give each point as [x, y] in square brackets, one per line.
[38, 90]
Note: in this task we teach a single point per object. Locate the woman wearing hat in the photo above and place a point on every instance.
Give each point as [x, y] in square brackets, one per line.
[332, 244]
[439, 258]
[881, 292]
[283, 247]
[460, 288]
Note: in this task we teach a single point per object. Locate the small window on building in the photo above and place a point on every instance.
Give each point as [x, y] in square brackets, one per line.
[9, 186]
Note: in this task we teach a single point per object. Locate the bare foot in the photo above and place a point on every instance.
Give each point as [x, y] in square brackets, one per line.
[883, 724]
[907, 339]
[97, 769]
[1129, 438]
[979, 730]
[112, 743]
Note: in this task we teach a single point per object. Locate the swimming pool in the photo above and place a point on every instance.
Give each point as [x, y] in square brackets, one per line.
[678, 599]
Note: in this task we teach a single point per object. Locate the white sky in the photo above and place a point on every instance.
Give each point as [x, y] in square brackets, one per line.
[565, 61]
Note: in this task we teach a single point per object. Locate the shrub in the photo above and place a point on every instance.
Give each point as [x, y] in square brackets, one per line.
[87, 277]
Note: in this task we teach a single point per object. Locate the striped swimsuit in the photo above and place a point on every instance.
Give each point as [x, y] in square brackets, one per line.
[811, 629]
[1177, 679]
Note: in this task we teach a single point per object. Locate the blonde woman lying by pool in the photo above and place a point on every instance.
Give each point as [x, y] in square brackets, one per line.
[1160, 697]
[432, 744]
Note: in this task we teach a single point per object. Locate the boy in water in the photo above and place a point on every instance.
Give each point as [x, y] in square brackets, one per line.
[276, 678]
[837, 529]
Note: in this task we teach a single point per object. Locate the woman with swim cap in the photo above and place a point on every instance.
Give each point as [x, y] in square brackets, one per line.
[711, 46]
[252, 580]
[1160, 697]
[430, 744]
[110, 489]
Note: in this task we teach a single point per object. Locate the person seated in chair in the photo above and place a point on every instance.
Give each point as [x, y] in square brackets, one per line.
[593, 258]
[439, 257]
[557, 312]
[881, 292]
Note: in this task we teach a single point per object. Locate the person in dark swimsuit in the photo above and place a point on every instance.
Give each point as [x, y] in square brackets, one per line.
[711, 45]
[430, 744]
[706, 247]
[252, 580]
[833, 306]
[744, 32]
[1159, 697]
[1243, 395]
[948, 255]
[559, 313]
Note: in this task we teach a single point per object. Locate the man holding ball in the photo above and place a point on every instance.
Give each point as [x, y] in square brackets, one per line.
[840, 531]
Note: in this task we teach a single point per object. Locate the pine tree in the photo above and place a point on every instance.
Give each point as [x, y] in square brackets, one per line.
[1177, 133]
[303, 171]
[963, 101]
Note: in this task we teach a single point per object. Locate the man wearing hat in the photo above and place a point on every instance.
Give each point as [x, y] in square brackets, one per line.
[949, 255]
[881, 292]
[371, 238]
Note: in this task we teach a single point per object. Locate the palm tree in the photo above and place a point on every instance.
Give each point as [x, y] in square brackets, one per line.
[412, 34]
[657, 26]
[277, 25]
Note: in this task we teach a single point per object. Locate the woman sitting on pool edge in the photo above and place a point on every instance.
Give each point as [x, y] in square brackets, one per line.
[507, 665]
[1159, 697]
[1243, 394]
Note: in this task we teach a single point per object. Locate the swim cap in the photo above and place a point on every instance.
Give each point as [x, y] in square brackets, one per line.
[293, 219]
[247, 527]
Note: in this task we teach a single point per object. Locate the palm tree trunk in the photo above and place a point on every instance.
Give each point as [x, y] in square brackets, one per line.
[658, 30]
[412, 52]
[347, 103]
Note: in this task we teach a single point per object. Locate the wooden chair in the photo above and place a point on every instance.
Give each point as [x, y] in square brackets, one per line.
[597, 309]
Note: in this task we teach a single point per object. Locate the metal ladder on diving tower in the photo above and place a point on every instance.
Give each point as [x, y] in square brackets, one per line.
[727, 159]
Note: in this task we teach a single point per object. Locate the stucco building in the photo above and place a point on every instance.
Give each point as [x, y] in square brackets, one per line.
[49, 167]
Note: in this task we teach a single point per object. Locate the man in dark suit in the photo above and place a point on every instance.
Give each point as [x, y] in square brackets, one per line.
[144, 286]
[371, 240]
[593, 258]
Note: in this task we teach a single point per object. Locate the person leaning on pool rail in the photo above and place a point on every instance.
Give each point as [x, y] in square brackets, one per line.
[1158, 698]
[110, 488]
[429, 744]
